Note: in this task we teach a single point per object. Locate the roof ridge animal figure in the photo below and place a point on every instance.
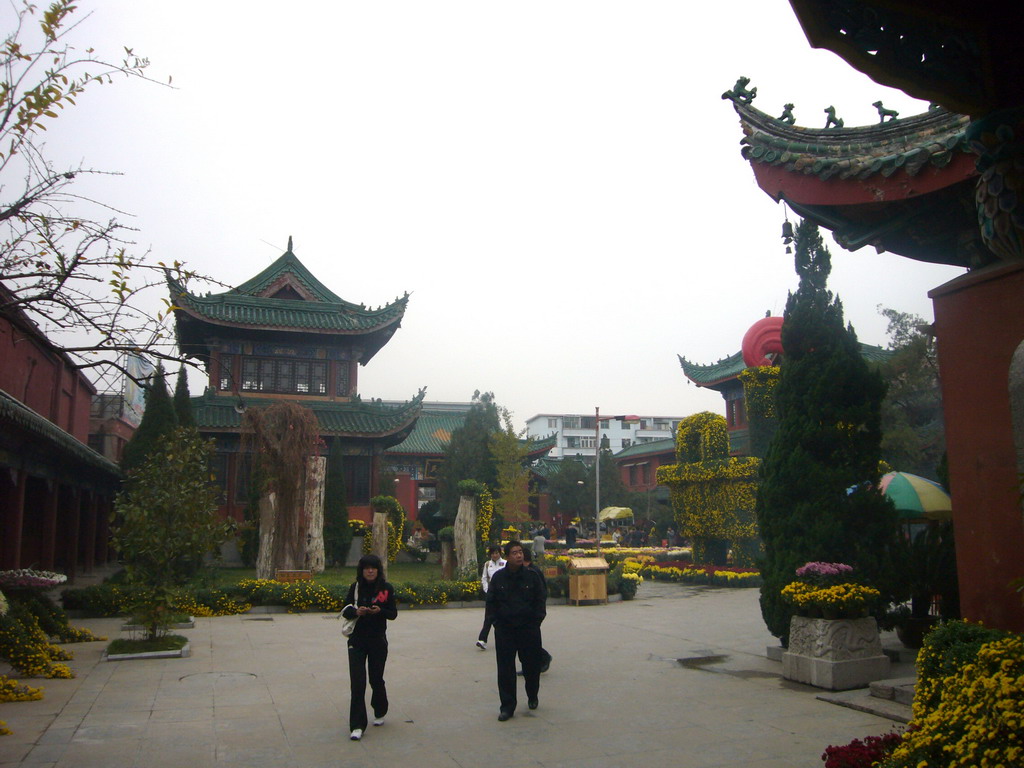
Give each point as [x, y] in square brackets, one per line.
[739, 93]
[884, 115]
[833, 121]
[787, 115]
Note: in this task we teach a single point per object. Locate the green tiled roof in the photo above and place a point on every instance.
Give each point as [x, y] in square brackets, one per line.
[248, 306]
[663, 445]
[546, 467]
[730, 367]
[431, 434]
[541, 445]
[287, 265]
[434, 429]
[910, 144]
[16, 414]
[705, 375]
[221, 413]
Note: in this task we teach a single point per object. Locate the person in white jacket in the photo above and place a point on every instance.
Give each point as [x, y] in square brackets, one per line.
[491, 567]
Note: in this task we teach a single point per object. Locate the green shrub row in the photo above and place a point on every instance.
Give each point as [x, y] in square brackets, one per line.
[104, 600]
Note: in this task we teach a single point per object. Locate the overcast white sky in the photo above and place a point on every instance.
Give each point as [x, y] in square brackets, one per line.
[557, 184]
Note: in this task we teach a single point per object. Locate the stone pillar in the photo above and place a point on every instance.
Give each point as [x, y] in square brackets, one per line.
[447, 560]
[465, 539]
[838, 654]
[268, 518]
[316, 468]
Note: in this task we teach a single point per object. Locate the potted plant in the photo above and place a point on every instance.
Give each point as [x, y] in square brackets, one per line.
[928, 563]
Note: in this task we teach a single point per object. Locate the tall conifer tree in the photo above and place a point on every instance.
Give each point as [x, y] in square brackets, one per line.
[815, 501]
[467, 455]
[183, 401]
[158, 421]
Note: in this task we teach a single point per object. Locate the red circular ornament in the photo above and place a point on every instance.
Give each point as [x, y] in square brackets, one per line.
[762, 339]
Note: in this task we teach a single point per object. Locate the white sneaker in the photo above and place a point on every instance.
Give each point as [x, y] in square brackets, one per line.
[378, 720]
[481, 645]
[357, 734]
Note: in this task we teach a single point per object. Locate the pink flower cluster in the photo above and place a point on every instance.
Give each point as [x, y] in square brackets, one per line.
[27, 578]
[823, 570]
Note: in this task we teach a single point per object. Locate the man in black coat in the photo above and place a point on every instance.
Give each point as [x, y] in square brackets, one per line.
[516, 602]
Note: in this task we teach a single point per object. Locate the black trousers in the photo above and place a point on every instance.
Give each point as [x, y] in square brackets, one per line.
[366, 654]
[485, 631]
[508, 642]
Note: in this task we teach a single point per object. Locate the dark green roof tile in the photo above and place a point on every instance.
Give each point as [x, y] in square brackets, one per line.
[19, 415]
[731, 367]
[663, 445]
[910, 144]
[222, 413]
[431, 434]
[323, 312]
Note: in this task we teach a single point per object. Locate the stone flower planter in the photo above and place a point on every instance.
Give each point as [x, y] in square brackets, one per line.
[837, 654]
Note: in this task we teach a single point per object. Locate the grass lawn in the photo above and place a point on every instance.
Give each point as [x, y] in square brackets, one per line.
[396, 572]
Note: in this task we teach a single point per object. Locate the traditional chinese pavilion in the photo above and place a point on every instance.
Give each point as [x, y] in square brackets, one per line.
[282, 335]
[942, 187]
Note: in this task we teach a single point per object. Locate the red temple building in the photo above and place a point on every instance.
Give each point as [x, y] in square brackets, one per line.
[942, 187]
[56, 493]
[283, 335]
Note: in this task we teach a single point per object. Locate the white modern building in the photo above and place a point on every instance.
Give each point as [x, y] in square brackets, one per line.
[577, 434]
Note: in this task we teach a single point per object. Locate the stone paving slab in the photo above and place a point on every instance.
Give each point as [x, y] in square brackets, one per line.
[677, 676]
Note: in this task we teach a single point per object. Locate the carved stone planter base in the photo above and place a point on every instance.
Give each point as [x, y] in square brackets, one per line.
[837, 654]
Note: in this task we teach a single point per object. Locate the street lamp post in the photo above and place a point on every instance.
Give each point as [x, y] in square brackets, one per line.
[597, 479]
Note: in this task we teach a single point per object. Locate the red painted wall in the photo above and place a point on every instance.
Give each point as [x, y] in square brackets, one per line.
[979, 322]
[44, 381]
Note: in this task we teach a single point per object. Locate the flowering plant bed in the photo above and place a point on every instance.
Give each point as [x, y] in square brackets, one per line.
[687, 573]
[841, 601]
[825, 590]
[28, 578]
[861, 754]
[824, 574]
[967, 708]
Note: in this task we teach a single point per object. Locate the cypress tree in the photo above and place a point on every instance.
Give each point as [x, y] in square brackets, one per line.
[337, 531]
[467, 455]
[183, 400]
[816, 500]
[158, 421]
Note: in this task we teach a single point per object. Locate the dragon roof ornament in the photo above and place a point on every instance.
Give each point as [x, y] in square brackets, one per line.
[892, 144]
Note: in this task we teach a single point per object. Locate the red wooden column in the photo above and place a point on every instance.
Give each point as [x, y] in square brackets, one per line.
[89, 532]
[13, 519]
[101, 542]
[74, 518]
[988, 525]
[48, 534]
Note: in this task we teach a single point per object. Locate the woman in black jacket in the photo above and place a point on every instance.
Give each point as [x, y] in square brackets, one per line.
[372, 601]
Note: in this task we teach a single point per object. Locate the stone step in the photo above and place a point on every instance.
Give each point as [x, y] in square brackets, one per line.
[862, 701]
[898, 689]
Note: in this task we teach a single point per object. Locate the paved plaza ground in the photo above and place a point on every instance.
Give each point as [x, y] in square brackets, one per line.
[676, 677]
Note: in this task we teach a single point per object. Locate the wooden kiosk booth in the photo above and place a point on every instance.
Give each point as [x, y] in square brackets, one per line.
[588, 580]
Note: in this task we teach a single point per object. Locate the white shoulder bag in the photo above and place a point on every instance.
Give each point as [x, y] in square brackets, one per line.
[349, 625]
